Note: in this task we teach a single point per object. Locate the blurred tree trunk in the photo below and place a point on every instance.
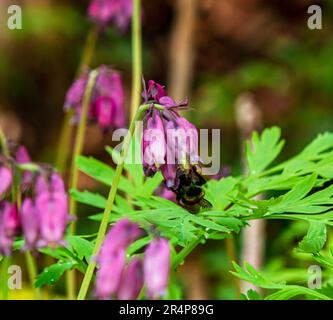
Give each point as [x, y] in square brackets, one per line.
[195, 282]
[249, 119]
[182, 51]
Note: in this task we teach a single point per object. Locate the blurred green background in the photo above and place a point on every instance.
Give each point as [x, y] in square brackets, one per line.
[239, 46]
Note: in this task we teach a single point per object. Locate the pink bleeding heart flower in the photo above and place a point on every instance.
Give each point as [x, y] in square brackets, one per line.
[11, 220]
[108, 106]
[176, 156]
[22, 155]
[109, 274]
[57, 183]
[30, 223]
[169, 140]
[131, 280]
[6, 178]
[169, 173]
[9, 225]
[119, 237]
[155, 91]
[153, 145]
[104, 111]
[111, 258]
[105, 12]
[156, 266]
[52, 210]
[53, 216]
[74, 95]
[182, 142]
[107, 99]
[165, 192]
[41, 185]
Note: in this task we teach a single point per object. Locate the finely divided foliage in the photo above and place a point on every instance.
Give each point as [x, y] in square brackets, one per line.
[295, 189]
[298, 185]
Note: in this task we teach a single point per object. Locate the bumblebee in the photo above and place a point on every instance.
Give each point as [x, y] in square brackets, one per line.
[189, 191]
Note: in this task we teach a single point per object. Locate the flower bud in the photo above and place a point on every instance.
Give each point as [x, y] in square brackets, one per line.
[53, 216]
[155, 90]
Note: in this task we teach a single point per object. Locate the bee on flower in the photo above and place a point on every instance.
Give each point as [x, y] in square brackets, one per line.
[170, 145]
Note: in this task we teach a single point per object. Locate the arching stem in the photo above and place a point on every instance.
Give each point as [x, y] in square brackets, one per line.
[79, 141]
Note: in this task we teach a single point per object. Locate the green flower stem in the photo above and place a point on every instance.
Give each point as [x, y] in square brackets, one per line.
[5, 263]
[67, 128]
[79, 139]
[185, 252]
[3, 144]
[136, 57]
[107, 211]
[32, 272]
[136, 68]
[78, 147]
[89, 49]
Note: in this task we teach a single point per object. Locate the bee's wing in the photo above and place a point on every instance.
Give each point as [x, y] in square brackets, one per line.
[205, 204]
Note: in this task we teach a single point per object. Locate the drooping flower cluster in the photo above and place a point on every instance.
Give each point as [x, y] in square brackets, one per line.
[107, 98]
[9, 226]
[105, 12]
[43, 216]
[116, 278]
[170, 142]
[112, 257]
[156, 267]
